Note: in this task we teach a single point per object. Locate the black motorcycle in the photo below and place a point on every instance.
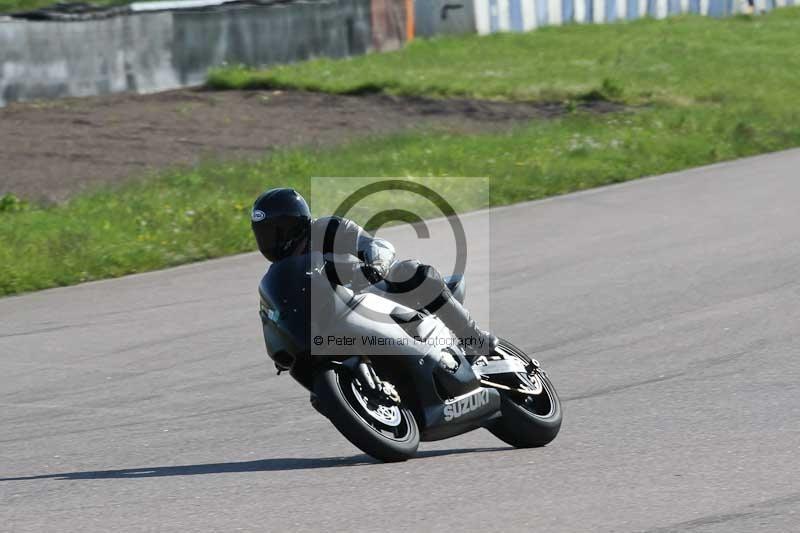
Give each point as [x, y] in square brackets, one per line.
[414, 384]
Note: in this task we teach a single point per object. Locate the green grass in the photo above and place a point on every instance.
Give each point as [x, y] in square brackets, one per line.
[678, 61]
[739, 99]
[189, 215]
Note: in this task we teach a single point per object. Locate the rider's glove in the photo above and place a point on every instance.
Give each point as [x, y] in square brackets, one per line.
[378, 256]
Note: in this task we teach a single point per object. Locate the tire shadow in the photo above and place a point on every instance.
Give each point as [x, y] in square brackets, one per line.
[263, 465]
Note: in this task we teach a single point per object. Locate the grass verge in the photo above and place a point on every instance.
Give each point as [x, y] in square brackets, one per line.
[190, 215]
[677, 61]
[728, 91]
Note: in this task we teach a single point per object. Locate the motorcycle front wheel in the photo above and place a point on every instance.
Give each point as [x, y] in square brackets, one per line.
[386, 432]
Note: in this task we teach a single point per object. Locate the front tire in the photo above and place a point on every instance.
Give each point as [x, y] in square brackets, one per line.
[528, 421]
[389, 435]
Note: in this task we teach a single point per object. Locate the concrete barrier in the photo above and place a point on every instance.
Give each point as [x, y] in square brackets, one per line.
[436, 17]
[151, 52]
[55, 59]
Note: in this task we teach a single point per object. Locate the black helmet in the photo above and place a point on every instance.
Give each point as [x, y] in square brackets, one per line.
[280, 220]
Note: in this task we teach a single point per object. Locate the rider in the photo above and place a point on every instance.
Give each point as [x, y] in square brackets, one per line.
[283, 227]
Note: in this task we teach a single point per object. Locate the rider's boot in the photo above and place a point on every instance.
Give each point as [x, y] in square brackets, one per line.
[475, 341]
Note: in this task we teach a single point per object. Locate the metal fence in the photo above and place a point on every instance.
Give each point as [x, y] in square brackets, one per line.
[525, 15]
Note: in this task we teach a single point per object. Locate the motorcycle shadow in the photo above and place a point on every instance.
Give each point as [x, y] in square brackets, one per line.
[263, 465]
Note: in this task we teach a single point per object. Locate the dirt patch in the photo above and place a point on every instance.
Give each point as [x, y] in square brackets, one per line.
[51, 150]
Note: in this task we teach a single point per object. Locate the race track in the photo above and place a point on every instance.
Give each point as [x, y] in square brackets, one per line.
[667, 311]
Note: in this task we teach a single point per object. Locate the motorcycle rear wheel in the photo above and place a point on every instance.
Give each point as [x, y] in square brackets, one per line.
[528, 421]
[387, 434]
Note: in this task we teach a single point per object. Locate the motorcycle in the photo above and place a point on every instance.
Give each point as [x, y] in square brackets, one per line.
[385, 397]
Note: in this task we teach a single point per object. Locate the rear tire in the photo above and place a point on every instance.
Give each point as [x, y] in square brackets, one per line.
[528, 421]
[336, 398]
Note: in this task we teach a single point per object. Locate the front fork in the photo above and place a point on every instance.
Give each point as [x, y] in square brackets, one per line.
[380, 391]
[377, 391]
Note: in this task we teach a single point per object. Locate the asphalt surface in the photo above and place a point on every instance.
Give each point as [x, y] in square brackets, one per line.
[666, 310]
